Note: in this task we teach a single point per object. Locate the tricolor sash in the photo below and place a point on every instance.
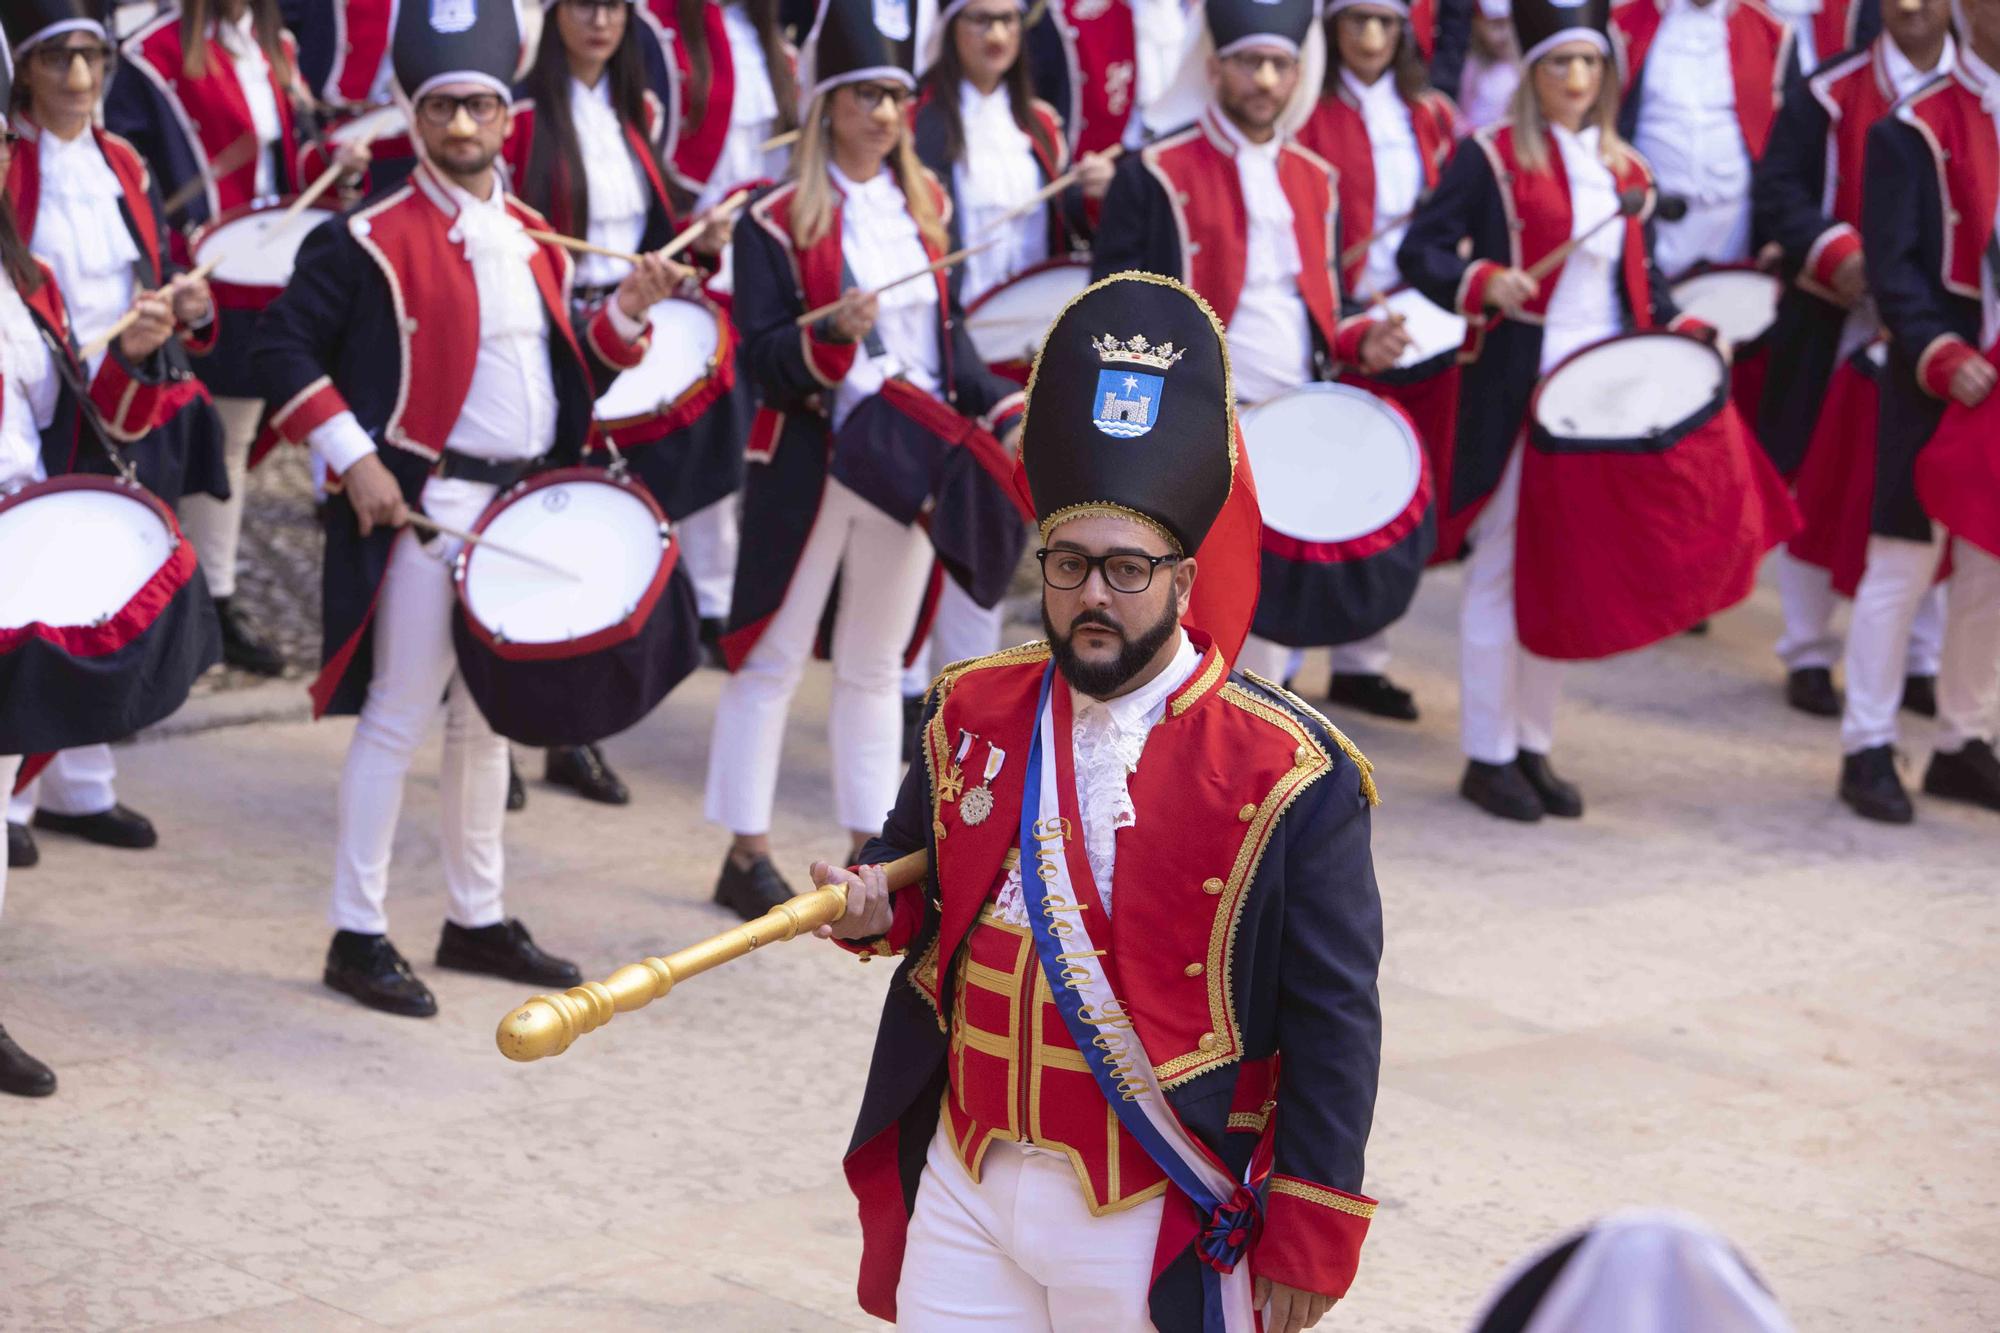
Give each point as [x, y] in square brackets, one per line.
[1063, 903]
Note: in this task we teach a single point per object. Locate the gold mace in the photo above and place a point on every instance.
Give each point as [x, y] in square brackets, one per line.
[548, 1024]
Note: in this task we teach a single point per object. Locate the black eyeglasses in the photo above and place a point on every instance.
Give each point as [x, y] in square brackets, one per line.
[1561, 65]
[1252, 62]
[595, 11]
[440, 110]
[1006, 22]
[1124, 571]
[8, 138]
[58, 59]
[871, 95]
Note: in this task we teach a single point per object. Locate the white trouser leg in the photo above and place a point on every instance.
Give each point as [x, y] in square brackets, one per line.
[1893, 585]
[1363, 657]
[1969, 673]
[415, 664]
[1018, 1251]
[10, 764]
[78, 782]
[1263, 658]
[21, 804]
[1807, 600]
[1507, 695]
[709, 538]
[1927, 633]
[215, 527]
[961, 629]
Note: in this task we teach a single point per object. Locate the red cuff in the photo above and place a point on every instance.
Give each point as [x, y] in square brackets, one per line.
[829, 362]
[1694, 328]
[613, 350]
[1312, 1236]
[1002, 416]
[1940, 361]
[1347, 337]
[131, 408]
[201, 341]
[906, 906]
[1835, 246]
[1472, 287]
[308, 410]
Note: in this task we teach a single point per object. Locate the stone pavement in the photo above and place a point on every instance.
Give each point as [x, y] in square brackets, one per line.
[1718, 991]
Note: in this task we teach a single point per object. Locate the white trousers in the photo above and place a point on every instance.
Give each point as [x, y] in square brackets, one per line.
[1276, 662]
[1897, 579]
[215, 527]
[1019, 1252]
[709, 538]
[962, 628]
[415, 667]
[1809, 603]
[76, 782]
[883, 567]
[1507, 695]
[1363, 657]
[10, 764]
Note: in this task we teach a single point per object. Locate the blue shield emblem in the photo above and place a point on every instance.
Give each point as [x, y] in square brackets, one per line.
[1128, 402]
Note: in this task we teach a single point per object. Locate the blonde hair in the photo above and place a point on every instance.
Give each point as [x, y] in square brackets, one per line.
[812, 204]
[1531, 127]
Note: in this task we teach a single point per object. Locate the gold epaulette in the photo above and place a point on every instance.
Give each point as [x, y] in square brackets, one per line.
[1369, 791]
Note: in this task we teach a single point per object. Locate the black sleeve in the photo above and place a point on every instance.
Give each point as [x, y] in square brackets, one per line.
[1450, 43]
[1788, 188]
[1893, 222]
[1429, 255]
[1133, 231]
[773, 349]
[299, 334]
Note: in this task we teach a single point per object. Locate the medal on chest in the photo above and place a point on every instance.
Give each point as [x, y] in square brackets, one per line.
[977, 804]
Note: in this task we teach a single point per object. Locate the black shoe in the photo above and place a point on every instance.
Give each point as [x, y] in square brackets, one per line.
[1870, 784]
[1558, 796]
[1698, 630]
[370, 969]
[517, 794]
[21, 849]
[1971, 773]
[711, 644]
[242, 647]
[1920, 695]
[116, 827]
[582, 767]
[504, 950]
[753, 890]
[913, 716]
[1810, 690]
[1501, 789]
[1376, 695]
[22, 1074]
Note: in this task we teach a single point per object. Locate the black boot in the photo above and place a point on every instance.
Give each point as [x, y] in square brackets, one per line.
[21, 849]
[517, 794]
[504, 949]
[1501, 789]
[371, 969]
[1970, 773]
[752, 890]
[913, 715]
[1810, 690]
[244, 648]
[1920, 695]
[711, 644]
[1559, 797]
[22, 1074]
[116, 827]
[582, 768]
[1870, 784]
[1372, 694]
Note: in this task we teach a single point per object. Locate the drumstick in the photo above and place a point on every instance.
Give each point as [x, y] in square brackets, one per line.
[582, 247]
[682, 239]
[474, 539]
[955, 257]
[228, 160]
[1051, 190]
[1630, 202]
[783, 139]
[1361, 247]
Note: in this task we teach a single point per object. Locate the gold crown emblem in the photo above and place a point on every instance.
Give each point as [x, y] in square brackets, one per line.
[1137, 351]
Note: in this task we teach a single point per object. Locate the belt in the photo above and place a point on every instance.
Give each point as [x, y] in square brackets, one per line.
[493, 472]
[596, 294]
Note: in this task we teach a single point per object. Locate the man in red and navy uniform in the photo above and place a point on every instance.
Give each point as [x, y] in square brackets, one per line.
[375, 357]
[1125, 1075]
[1817, 417]
[1928, 234]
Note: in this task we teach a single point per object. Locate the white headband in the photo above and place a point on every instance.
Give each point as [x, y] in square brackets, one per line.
[67, 25]
[1555, 39]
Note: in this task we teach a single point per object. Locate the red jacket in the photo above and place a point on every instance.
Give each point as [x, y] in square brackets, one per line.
[1761, 61]
[1337, 132]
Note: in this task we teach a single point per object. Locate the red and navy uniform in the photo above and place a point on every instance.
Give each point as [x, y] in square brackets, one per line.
[1842, 26]
[1084, 56]
[342, 44]
[794, 372]
[692, 135]
[1246, 939]
[183, 454]
[1070, 224]
[1762, 64]
[376, 308]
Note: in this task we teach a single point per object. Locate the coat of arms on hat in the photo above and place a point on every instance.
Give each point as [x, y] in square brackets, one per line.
[1127, 403]
[453, 15]
[892, 19]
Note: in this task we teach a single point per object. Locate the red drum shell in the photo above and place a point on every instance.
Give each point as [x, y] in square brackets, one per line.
[1958, 471]
[665, 418]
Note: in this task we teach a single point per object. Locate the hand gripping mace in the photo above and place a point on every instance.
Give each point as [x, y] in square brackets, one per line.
[548, 1024]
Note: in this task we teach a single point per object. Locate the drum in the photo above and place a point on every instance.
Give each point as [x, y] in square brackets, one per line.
[255, 246]
[1347, 504]
[1436, 334]
[1645, 504]
[690, 362]
[105, 619]
[1007, 323]
[1741, 303]
[555, 660]
[378, 125]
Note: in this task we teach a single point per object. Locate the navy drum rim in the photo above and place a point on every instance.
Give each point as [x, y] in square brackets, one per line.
[1548, 442]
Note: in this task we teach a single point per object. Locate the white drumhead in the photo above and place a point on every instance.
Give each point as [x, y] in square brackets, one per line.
[1332, 462]
[73, 558]
[1433, 330]
[1010, 320]
[381, 123]
[685, 336]
[258, 250]
[601, 531]
[1739, 302]
[1628, 387]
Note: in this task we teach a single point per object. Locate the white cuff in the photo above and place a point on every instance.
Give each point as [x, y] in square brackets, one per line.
[340, 442]
[628, 329]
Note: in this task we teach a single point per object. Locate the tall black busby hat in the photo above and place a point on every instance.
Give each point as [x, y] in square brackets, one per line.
[1541, 25]
[854, 41]
[1131, 410]
[456, 41]
[1237, 23]
[31, 21]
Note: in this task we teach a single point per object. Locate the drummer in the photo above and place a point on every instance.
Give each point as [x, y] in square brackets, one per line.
[1287, 324]
[1492, 69]
[1102, 64]
[82, 199]
[204, 92]
[584, 102]
[857, 211]
[343, 62]
[498, 396]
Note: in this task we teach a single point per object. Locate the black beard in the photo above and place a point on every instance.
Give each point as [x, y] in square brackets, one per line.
[1102, 682]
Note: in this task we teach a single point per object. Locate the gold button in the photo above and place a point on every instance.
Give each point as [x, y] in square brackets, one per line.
[1209, 1041]
[1247, 813]
[1211, 886]
[1192, 969]
[1301, 755]
[865, 957]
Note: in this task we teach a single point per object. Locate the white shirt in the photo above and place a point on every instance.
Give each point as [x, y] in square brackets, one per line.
[1486, 91]
[879, 242]
[1107, 736]
[1584, 306]
[1159, 32]
[1399, 173]
[1270, 334]
[81, 233]
[239, 39]
[617, 192]
[996, 173]
[1688, 131]
[28, 391]
[753, 114]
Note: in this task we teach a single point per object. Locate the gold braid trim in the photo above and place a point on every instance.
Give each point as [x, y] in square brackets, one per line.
[1325, 1198]
[1369, 791]
[1253, 1121]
